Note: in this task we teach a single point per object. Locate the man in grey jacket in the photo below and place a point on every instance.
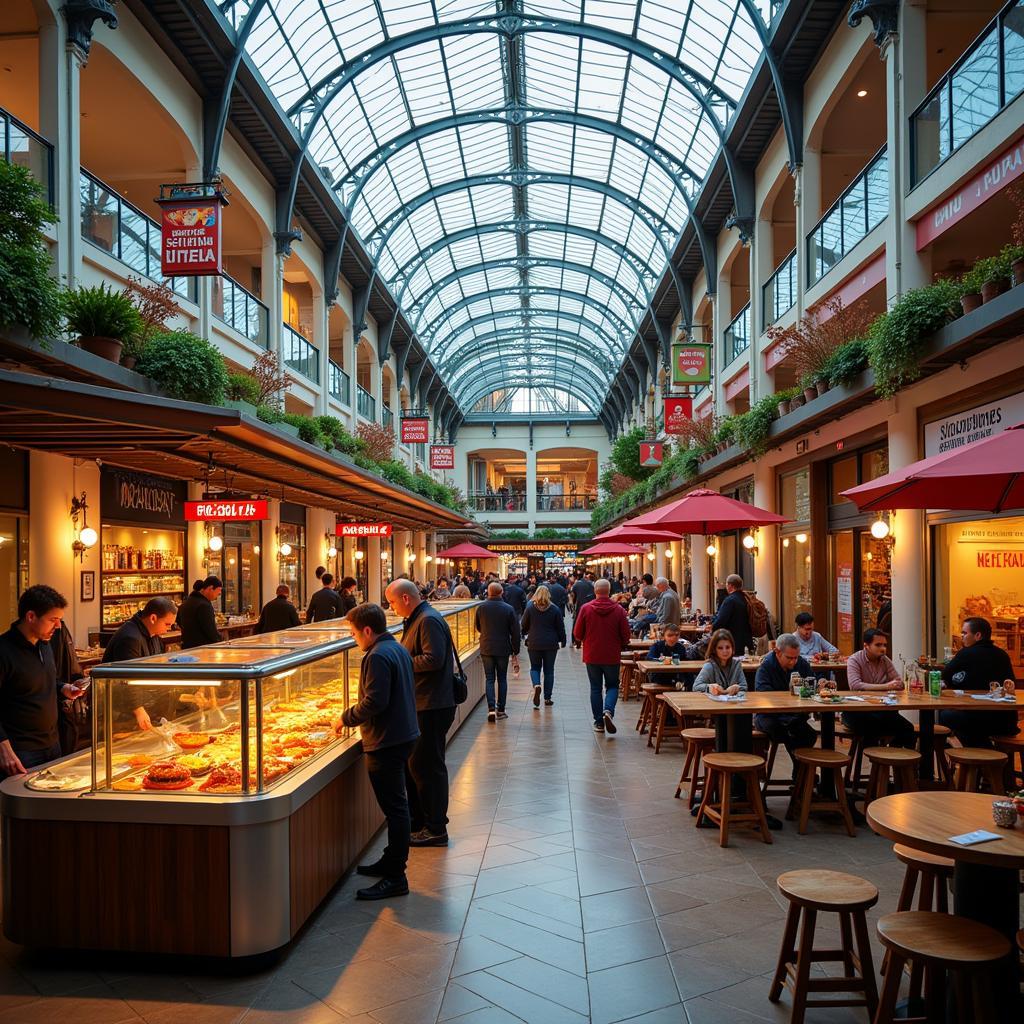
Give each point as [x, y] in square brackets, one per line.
[668, 610]
[500, 639]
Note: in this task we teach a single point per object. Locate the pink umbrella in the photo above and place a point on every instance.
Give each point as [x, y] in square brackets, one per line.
[984, 476]
[704, 511]
[610, 549]
[467, 550]
[638, 534]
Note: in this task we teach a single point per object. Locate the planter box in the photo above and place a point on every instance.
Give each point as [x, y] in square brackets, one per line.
[285, 428]
[248, 409]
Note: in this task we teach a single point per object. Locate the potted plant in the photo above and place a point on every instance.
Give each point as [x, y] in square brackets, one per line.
[242, 392]
[993, 276]
[810, 390]
[1014, 256]
[186, 366]
[101, 320]
[157, 306]
[970, 285]
[784, 399]
[797, 401]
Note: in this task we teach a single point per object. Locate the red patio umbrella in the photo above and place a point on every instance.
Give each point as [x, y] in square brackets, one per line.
[984, 476]
[611, 549]
[704, 511]
[638, 535]
[467, 550]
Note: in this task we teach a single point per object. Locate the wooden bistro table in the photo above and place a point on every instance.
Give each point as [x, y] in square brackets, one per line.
[986, 876]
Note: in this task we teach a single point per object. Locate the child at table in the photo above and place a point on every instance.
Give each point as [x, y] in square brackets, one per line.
[721, 673]
[670, 645]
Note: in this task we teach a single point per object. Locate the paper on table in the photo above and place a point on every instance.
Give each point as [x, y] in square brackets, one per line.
[726, 698]
[977, 836]
[994, 700]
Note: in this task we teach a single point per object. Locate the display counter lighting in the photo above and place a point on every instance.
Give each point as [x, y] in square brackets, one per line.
[169, 682]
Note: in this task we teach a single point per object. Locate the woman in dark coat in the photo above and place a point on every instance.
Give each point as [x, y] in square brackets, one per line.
[544, 629]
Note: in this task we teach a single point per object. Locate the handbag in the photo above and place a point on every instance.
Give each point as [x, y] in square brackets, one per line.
[460, 684]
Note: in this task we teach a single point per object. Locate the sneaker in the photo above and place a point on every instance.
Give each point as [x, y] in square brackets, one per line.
[384, 888]
[609, 723]
[536, 696]
[501, 714]
[549, 703]
[599, 727]
[374, 870]
[427, 838]
[491, 716]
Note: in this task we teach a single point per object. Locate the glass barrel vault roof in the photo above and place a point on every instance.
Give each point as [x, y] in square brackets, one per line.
[519, 171]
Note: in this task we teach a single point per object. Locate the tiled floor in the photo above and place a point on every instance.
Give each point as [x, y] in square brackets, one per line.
[575, 888]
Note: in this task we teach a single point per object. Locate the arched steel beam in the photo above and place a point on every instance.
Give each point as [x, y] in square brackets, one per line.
[554, 335]
[477, 389]
[571, 359]
[497, 376]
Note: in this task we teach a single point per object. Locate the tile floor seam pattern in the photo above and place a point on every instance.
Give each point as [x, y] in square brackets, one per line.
[575, 889]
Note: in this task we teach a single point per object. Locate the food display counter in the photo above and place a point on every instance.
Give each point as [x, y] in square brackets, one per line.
[218, 832]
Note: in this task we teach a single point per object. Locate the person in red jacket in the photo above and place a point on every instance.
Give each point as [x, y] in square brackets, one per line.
[603, 629]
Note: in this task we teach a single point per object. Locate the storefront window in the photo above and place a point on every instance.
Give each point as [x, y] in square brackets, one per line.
[138, 563]
[238, 566]
[795, 546]
[13, 564]
[292, 566]
[979, 571]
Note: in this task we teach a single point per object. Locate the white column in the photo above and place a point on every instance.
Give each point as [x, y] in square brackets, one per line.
[531, 487]
[675, 567]
[766, 563]
[373, 570]
[419, 570]
[700, 574]
[659, 560]
[269, 567]
[807, 199]
[322, 344]
[66, 108]
[272, 277]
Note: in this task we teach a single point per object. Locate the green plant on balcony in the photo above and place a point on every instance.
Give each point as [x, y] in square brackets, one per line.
[100, 320]
[340, 438]
[186, 366]
[846, 363]
[157, 305]
[725, 433]
[29, 295]
[753, 426]
[242, 387]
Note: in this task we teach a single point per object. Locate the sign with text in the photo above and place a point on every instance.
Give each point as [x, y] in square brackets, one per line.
[190, 232]
[963, 428]
[844, 597]
[415, 430]
[139, 498]
[362, 530]
[246, 510]
[651, 453]
[442, 456]
[691, 363]
[678, 412]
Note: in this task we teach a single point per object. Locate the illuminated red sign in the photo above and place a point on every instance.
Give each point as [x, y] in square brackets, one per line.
[190, 237]
[651, 453]
[678, 412]
[362, 530]
[442, 456]
[415, 430]
[226, 511]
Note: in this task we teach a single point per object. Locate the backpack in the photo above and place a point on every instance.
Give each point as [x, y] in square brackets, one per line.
[757, 613]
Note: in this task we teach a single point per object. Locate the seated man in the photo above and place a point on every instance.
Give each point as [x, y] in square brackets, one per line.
[672, 646]
[870, 670]
[978, 663]
[811, 643]
[792, 731]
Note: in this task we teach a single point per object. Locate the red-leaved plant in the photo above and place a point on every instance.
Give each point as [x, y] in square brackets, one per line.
[379, 441]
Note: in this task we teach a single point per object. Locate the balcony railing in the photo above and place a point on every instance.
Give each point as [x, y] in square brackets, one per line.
[241, 310]
[778, 294]
[861, 208]
[501, 500]
[365, 404]
[339, 384]
[387, 417]
[24, 147]
[126, 233]
[580, 501]
[299, 354]
[988, 76]
[737, 335]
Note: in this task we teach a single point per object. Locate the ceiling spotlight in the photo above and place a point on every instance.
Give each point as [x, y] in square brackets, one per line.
[862, 93]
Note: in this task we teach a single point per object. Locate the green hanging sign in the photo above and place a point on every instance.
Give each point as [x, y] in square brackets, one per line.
[691, 363]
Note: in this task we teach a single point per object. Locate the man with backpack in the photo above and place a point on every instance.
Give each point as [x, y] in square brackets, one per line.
[743, 614]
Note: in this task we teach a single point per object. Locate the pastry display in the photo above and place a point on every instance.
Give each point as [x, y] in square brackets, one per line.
[129, 784]
[167, 775]
[191, 740]
[197, 764]
[225, 778]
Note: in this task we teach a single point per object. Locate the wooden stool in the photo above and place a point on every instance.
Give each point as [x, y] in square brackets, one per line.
[1013, 748]
[903, 764]
[662, 712]
[698, 743]
[811, 892]
[803, 801]
[941, 942]
[939, 747]
[853, 776]
[719, 770]
[627, 677]
[648, 692]
[973, 763]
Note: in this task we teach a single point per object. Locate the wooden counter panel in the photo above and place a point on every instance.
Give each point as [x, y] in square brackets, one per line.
[131, 887]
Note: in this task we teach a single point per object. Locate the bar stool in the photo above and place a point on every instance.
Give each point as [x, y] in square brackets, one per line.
[627, 676]
[662, 714]
[698, 743]
[855, 777]
[648, 692]
[803, 800]
[902, 763]
[939, 746]
[659, 711]
[967, 949]
[1013, 748]
[970, 764]
[719, 770]
[811, 892]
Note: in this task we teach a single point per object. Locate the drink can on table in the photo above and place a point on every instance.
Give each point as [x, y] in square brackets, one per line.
[934, 683]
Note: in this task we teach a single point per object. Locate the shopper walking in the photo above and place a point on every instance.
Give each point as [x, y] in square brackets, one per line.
[196, 618]
[428, 640]
[326, 602]
[603, 630]
[386, 716]
[278, 613]
[559, 595]
[544, 629]
[514, 595]
[582, 593]
[500, 639]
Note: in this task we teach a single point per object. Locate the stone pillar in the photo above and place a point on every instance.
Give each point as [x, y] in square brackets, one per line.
[531, 486]
[68, 155]
[269, 570]
[322, 343]
[420, 565]
[766, 562]
[659, 561]
[700, 574]
[807, 199]
[272, 276]
[675, 567]
[373, 570]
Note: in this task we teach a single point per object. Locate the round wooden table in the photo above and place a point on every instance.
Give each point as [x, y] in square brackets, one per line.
[986, 876]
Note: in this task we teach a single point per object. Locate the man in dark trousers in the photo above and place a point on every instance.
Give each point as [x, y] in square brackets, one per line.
[500, 638]
[792, 731]
[734, 616]
[582, 592]
[28, 684]
[559, 595]
[429, 640]
[386, 716]
[514, 595]
[196, 618]
[325, 603]
[603, 630]
[278, 613]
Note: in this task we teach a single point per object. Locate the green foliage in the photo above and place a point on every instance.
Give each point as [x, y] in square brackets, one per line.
[898, 337]
[29, 295]
[752, 427]
[398, 473]
[988, 270]
[268, 414]
[186, 367]
[726, 431]
[846, 363]
[626, 454]
[242, 387]
[333, 428]
[101, 312]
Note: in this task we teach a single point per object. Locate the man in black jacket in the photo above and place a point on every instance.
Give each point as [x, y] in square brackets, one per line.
[733, 614]
[559, 595]
[978, 663]
[582, 593]
[28, 684]
[386, 716]
[347, 594]
[792, 731]
[429, 640]
[513, 595]
[500, 638]
[278, 613]
[325, 603]
[196, 617]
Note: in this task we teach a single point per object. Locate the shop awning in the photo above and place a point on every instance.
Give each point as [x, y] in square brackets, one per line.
[467, 550]
[639, 535]
[611, 549]
[706, 512]
[188, 441]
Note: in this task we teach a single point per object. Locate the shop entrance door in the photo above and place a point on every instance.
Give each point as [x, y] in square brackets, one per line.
[861, 589]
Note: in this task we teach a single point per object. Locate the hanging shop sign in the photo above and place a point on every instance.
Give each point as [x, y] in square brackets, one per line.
[250, 510]
[651, 453]
[442, 456]
[691, 363]
[362, 530]
[190, 230]
[138, 498]
[678, 412]
[415, 430]
[963, 428]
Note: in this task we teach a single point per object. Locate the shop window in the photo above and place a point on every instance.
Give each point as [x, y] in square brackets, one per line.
[873, 464]
[138, 563]
[795, 496]
[13, 564]
[292, 566]
[795, 546]
[237, 565]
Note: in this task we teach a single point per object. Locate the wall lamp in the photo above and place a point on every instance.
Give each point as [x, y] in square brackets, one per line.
[750, 541]
[86, 537]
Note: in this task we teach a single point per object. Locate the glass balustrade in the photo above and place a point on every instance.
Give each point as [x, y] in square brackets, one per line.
[241, 310]
[365, 404]
[339, 384]
[299, 354]
[24, 147]
[778, 293]
[737, 335]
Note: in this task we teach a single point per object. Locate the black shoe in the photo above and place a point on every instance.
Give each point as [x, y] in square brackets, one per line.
[773, 823]
[549, 703]
[599, 727]
[492, 715]
[501, 714]
[384, 888]
[536, 696]
[609, 723]
[374, 870]
[427, 838]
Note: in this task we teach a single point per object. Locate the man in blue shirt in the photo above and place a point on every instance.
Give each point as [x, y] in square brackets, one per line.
[811, 643]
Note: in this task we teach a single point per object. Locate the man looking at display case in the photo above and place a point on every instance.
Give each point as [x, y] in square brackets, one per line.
[278, 613]
[386, 716]
[325, 603]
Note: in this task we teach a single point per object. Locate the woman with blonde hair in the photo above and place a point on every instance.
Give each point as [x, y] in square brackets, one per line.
[544, 630]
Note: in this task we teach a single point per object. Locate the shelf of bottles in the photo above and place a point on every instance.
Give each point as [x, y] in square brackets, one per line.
[137, 564]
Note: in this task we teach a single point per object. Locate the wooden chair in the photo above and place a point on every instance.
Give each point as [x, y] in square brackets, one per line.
[803, 801]
[972, 764]
[901, 763]
[809, 893]
[940, 745]
[1013, 748]
[698, 743]
[942, 943]
[719, 770]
